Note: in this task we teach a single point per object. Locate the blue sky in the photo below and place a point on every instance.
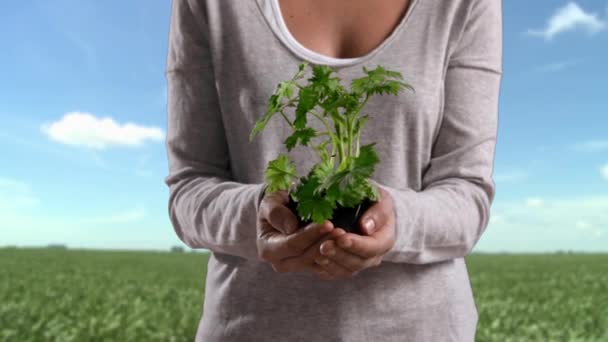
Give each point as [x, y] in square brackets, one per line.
[100, 65]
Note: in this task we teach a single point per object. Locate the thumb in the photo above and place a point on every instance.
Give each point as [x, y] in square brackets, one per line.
[369, 221]
[283, 219]
[278, 215]
[377, 215]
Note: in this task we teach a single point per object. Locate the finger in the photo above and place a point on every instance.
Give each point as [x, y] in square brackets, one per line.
[274, 245]
[304, 260]
[336, 232]
[303, 238]
[377, 215]
[363, 246]
[352, 262]
[369, 246]
[333, 269]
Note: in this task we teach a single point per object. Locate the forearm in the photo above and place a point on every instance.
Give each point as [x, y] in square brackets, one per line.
[440, 223]
[216, 214]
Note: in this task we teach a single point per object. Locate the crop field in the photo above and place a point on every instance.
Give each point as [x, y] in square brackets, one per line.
[86, 295]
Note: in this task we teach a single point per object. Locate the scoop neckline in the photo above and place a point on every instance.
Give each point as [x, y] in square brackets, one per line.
[329, 60]
[303, 50]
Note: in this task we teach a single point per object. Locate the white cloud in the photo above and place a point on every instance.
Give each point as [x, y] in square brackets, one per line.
[566, 223]
[512, 176]
[15, 194]
[588, 228]
[591, 146]
[128, 216]
[568, 18]
[581, 224]
[554, 213]
[84, 129]
[13, 185]
[535, 202]
[604, 171]
[495, 218]
[557, 66]
[132, 215]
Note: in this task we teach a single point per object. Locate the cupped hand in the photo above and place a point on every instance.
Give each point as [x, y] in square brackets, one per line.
[281, 242]
[347, 254]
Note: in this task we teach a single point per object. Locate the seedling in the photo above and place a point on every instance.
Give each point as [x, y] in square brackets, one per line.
[337, 188]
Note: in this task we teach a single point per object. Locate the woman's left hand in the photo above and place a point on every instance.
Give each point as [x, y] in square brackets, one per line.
[346, 254]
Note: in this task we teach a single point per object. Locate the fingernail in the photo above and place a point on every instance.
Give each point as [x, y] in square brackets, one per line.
[345, 243]
[330, 251]
[323, 261]
[326, 229]
[369, 225]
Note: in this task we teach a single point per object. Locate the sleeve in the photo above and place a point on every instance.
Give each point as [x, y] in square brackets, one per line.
[207, 208]
[447, 217]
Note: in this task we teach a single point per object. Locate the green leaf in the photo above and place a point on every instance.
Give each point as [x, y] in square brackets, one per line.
[273, 106]
[363, 165]
[350, 101]
[321, 74]
[311, 205]
[260, 125]
[352, 195]
[301, 67]
[323, 83]
[333, 101]
[359, 124]
[302, 136]
[307, 100]
[350, 186]
[379, 81]
[333, 193]
[337, 178]
[322, 149]
[280, 173]
[338, 120]
[285, 89]
[372, 192]
[301, 71]
[322, 171]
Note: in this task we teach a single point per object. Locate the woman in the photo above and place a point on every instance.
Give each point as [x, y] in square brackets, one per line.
[405, 278]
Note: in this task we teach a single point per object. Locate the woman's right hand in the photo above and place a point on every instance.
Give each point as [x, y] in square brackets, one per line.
[279, 238]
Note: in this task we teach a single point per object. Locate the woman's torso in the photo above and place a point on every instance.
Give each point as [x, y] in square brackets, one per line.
[246, 300]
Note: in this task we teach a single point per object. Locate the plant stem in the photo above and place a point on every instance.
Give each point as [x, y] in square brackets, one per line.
[355, 115]
[329, 132]
[287, 119]
[332, 136]
[340, 146]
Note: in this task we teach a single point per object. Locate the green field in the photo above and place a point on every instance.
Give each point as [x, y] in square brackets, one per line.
[82, 295]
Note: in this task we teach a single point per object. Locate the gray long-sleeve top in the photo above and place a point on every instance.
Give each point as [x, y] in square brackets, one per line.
[436, 147]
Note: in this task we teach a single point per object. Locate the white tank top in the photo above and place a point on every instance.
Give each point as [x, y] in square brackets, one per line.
[272, 11]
